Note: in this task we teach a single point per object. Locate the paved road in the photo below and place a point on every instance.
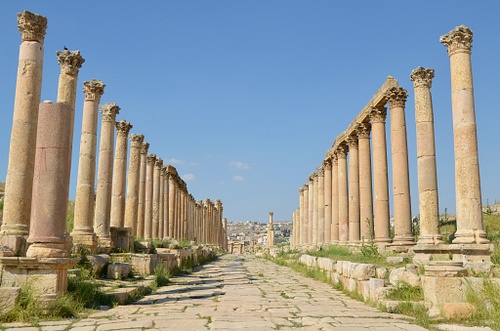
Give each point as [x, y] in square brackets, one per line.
[238, 293]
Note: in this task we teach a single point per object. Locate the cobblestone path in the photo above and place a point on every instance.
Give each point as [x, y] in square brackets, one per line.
[238, 293]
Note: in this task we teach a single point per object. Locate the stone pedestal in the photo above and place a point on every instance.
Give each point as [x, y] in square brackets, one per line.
[122, 238]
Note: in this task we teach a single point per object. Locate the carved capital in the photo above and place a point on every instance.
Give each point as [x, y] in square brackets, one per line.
[151, 159]
[144, 147]
[93, 90]
[158, 163]
[320, 171]
[70, 62]
[123, 128]
[378, 114]
[422, 77]
[352, 141]
[396, 97]
[136, 140]
[342, 151]
[327, 164]
[109, 111]
[458, 40]
[32, 26]
[335, 159]
[363, 130]
[311, 178]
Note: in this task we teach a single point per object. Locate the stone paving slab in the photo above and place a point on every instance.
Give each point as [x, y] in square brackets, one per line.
[238, 293]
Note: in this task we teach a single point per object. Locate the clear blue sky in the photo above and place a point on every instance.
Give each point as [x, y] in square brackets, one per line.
[245, 97]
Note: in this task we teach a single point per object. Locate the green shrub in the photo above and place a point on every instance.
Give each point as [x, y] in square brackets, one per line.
[161, 275]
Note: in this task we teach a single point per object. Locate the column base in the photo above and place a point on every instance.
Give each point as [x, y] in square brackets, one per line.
[84, 241]
[48, 251]
[473, 256]
[470, 237]
[432, 239]
[104, 245]
[13, 245]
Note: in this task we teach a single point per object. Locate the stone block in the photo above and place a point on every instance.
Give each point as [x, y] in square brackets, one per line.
[8, 297]
[395, 259]
[381, 272]
[375, 284]
[363, 271]
[119, 270]
[457, 310]
[309, 261]
[144, 264]
[326, 264]
[97, 263]
[400, 275]
[441, 290]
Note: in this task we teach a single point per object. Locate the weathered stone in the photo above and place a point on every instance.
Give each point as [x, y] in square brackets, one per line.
[458, 310]
[119, 270]
[326, 264]
[8, 297]
[362, 271]
[97, 262]
[399, 276]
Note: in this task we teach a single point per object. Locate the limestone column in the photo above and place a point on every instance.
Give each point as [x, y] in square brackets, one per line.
[307, 225]
[314, 202]
[365, 182]
[467, 180]
[354, 221]
[142, 191]
[321, 205]
[335, 197]
[166, 200]
[19, 179]
[302, 215]
[156, 197]
[83, 228]
[171, 205]
[327, 166]
[342, 151]
[225, 234]
[48, 212]
[148, 201]
[310, 209]
[119, 174]
[403, 235]
[134, 173]
[105, 173]
[426, 157]
[270, 231]
[380, 176]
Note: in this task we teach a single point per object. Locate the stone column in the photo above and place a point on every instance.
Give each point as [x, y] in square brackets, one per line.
[142, 191]
[467, 181]
[83, 228]
[19, 179]
[105, 173]
[426, 158]
[335, 198]
[321, 205]
[171, 205]
[315, 209]
[160, 204]
[270, 231]
[310, 201]
[166, 200]
[119, 174]
[380, 177]
[365, 182]
[342, 151]
[403, 235]
[327, 166]
[48, 212]
[134, 173]
[354, 221]
[305, 215]
[156, 197]
[148, 201]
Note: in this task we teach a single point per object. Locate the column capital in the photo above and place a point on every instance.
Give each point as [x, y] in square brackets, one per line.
[458, 40]
[320, 171]
[311, 178]
[342, 150]
[422, 77]
[352, 140]
[396, 97]
[151, 159]
[302, 188]
[144, 147]
[136, 140]
[158, 163]
[363, 130]
[123, 128]
[93, 89]
[378, 114]
[70, 61]
[109, 111]
[327, 164]
[32, 26]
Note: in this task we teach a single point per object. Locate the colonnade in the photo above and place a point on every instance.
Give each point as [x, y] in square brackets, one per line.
[346, 200]
[149, 201]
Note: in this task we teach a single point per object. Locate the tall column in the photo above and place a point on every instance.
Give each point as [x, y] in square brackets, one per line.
[335, 197]
[306, 227]
[119, 174]
[365, 182]
[354, 221]
[327, 166]
[142, 191]
[428, 198]
[310, 209]
[403, 235]
[134, 173]
[467, 180]
[270, 231]
[83, 228]
[148, 201]
[48, 212]
[380, 176]
[315, 209]
[301, 216]
[342, 151]
[105, 173]
[166, 200]
[171, 205]
[321, 205]
[156, 197]
[19, 179]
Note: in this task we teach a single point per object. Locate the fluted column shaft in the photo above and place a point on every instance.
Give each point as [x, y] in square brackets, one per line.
[400, 172]
[305, 215]
[467, 179]
[134, 173]
[156, 198]
[343, 193]
[380, 176]
[365, 182]
[119, 175]
[19, 179]
[148, 202]
[321, 205]
[142, 191]
[310, 210]
[327, 165]
[166, 203]
[354, 221]
[335, 198]
[171, 206]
